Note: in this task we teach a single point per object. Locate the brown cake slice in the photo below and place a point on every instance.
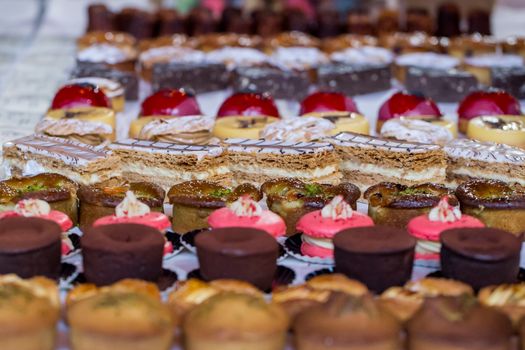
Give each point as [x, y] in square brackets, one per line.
[368, 160]
[36, 154]
[469, 159]
[257, 161]
[167, 164]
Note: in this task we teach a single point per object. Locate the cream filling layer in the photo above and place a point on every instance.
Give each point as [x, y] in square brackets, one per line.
[409, 175]
[170, 173]
[276, 172]
[325, 243]
[480, 173]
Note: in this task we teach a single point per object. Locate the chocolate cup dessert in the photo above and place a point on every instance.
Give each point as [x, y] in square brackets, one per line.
[395, 205]
[114, 252]
[101, 199]
[480, 257]
[193, 201]
[378, 256]
[496, 203]
[30, 247]
[291, 199]
[239, 253]
[59, 191]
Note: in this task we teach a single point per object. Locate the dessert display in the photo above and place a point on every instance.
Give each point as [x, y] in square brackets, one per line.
[465, 46]
[416, 130]
[423, 60]
[30, 313]
[486, 103]
[194, 201]
[242, 253]
[320, 226]
[451, 322]
[506, 129]
[36, 154]
[507, 298]
[126, 315]
[480, 257]
[236, 321]
[30, 246]
[111, 88]
[347, 321]
[368, 160]
[114, 252]
[481, 66]
[427, 229]
[395, 205]
[378, 256]
[496, 203]
[245, 212]
[292, 199]
[304, 129]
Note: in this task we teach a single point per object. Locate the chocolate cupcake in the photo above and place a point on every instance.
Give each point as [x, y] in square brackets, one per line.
[30, 247]
[378, 256]
[458, 323]
[480, 256]
[115, 252]
[238, 253]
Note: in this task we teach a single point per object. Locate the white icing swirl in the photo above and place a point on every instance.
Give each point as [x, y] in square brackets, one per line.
[32, 207]
[444, 212]
[495, 60]
[105, 53]
[415, 130]
[131, 207]
[298, 58]
[298, 129]
[337, 209]
[427, 60]
[245, 206]
[363, 55]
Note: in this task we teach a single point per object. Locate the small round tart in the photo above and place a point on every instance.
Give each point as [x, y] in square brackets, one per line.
[91, 115]
[112, 89]
[245, 212]
[416, 130]
[505, 129]
[247, 127]
[344, 121]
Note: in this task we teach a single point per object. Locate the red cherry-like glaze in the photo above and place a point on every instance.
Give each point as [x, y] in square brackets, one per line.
[80, 95]
[327, 102]
[249, 105]
[174, 103]
[481, 103]
[406, 105]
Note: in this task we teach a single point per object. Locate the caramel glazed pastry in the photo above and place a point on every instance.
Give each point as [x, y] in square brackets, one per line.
[192, 130]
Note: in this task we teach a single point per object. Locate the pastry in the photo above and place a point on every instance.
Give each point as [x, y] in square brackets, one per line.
[326, 26]
[505, 129]
[368, 160]
[77, 95]
[199, 77]
[509, 79]
[472, 45]
[480, 257]
[483, 103]
[267, 23]
[36, 154]
[234, 57]
[363, 55]
[193, 202]
[200, 21]
[514, 45]
[359, 21]
[248, 127]
[423, 60]
[496, 203]
[111, 88]
[347, 322]
[242, 253]
[448, 20]
[304, 129]
[354, 79]
[291, 39]
[100, 18]
[172, 51]
[378, 256]
[395, 205]
[481, 66]
[113, 252]
[137, 22]
[427, 228]
[507, 298]
[235, 321]
[29, 247]
[30, 313]
[170, 22]
[401, 43]
[292, 199]
[455, 323]
[127, 315]
[257, 161]
[344, 41]
[320, 226]
[417, 130]
[169, 163]
[189, 130]
[245, 212]
[479, 21]
[300, 59]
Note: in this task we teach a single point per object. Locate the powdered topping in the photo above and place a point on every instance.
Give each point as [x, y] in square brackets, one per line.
[105, 53]
[495, 60]
[131, 207]
[445, 212]
[245, 206]
[427, 60]
[337, 209]
[415, 130]
[32, 207]
[237, 56]
[298, 129]
[364, 55]
[298, 58]
[64, 127]
[171, 54]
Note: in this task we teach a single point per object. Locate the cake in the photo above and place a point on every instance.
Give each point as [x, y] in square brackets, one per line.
[511, 79]
[448, 20]
[368, 160]
[257, 161]
[423, 60]
[114, 49]
[481, 66]
[503, 129]
[129, 80]
[157, 53]
[199, 77]
[354, 79]
[169, 163]
[81, 163]
[464, 46]
[507, 298]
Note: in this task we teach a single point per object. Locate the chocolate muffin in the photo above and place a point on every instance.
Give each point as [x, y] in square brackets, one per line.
[238, 253]
[458, 323]
[480, 256]
[115, 252]
[30, 247]
[378, 256]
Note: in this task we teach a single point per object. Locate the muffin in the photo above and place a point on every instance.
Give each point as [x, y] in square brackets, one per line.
[193, 201]
[458, 323]
[378, 256]
[395, 205]
[508, 298]
[480, 257]
[496, 203]
[128, 315]
[235, 321]
[30, 312]
[292, 199]
[101, 199]
[347, 322]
